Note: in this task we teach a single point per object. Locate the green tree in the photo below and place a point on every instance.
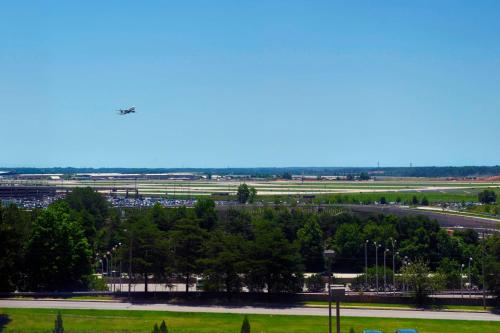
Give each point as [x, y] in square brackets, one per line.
[383, 201]
[487, 197]
[205, 211]
[364, 176]
[58, 254]
[243, 193]
[273, 261]
[421, 282]
[155, 329]
[223, 262]
[414, 200]
[492, 264]
[245, 327]
[425, 201]
[286, 176]
[15, 229]
[147, 246]
[347, 243]
[163, 327]
[450, 269]
[310, 238]
[91, 209]
[186, 241]
[253, 195]
[58, 324]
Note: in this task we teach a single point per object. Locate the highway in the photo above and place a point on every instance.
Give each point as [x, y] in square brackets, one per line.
[283, 310]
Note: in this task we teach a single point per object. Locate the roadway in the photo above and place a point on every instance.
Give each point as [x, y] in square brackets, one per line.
[445, 219]
[270, 310]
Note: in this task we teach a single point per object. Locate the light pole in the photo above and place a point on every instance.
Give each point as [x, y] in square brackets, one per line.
[470, 279]
[461, 280]
[394, 271]
[376, 264]
[393, 242]
[366, 263]
[110, 268]
[385, 276]
[405, 262]
[329, 255]
[130, 260]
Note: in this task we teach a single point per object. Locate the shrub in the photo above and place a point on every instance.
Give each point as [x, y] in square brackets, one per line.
[163, 327]
[58, 324]
[245, 327]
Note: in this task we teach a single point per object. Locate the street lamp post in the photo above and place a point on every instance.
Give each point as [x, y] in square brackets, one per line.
[129, 261]
[461, 280]
[329, 255]
[405, 262]
[385, 276]
[393, 242]
[376, 264]
[470, 280]
[366, 263]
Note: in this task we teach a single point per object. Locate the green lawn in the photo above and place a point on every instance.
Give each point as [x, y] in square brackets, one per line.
[104, 321]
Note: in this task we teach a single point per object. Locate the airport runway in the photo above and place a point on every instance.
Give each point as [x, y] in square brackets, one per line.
[302, 311]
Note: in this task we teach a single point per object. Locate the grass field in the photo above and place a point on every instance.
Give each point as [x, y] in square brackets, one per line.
[104, 321]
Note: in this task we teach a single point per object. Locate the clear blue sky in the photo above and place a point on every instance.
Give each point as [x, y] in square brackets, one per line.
[249, 83]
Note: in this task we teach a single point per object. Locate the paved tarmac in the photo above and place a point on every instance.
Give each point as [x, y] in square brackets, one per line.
[283, 310]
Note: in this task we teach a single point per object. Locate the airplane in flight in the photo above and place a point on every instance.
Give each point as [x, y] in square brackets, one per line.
[123, 112]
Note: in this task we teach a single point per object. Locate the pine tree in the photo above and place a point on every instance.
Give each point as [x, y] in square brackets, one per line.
[245, 327]
[58, 324]
[163, 327]
[351, 330]
[156, 329]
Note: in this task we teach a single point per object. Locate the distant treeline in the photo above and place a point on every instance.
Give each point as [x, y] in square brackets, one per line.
[449, 171]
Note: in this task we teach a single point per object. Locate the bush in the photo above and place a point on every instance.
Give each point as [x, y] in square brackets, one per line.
[58, 324]
[245, 327]
[95, 283]
[163, 327]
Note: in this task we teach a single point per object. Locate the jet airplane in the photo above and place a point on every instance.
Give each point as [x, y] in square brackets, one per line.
[123, 112]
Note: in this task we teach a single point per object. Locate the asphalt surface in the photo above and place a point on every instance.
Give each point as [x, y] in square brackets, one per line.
[302, 311]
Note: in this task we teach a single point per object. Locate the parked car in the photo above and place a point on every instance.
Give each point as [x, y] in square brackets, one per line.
[407, 330]
[371, 331]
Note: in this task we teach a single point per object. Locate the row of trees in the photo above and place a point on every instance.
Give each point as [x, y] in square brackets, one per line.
[59, 248]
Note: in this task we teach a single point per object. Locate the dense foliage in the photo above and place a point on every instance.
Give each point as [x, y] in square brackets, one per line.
[262, 249]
